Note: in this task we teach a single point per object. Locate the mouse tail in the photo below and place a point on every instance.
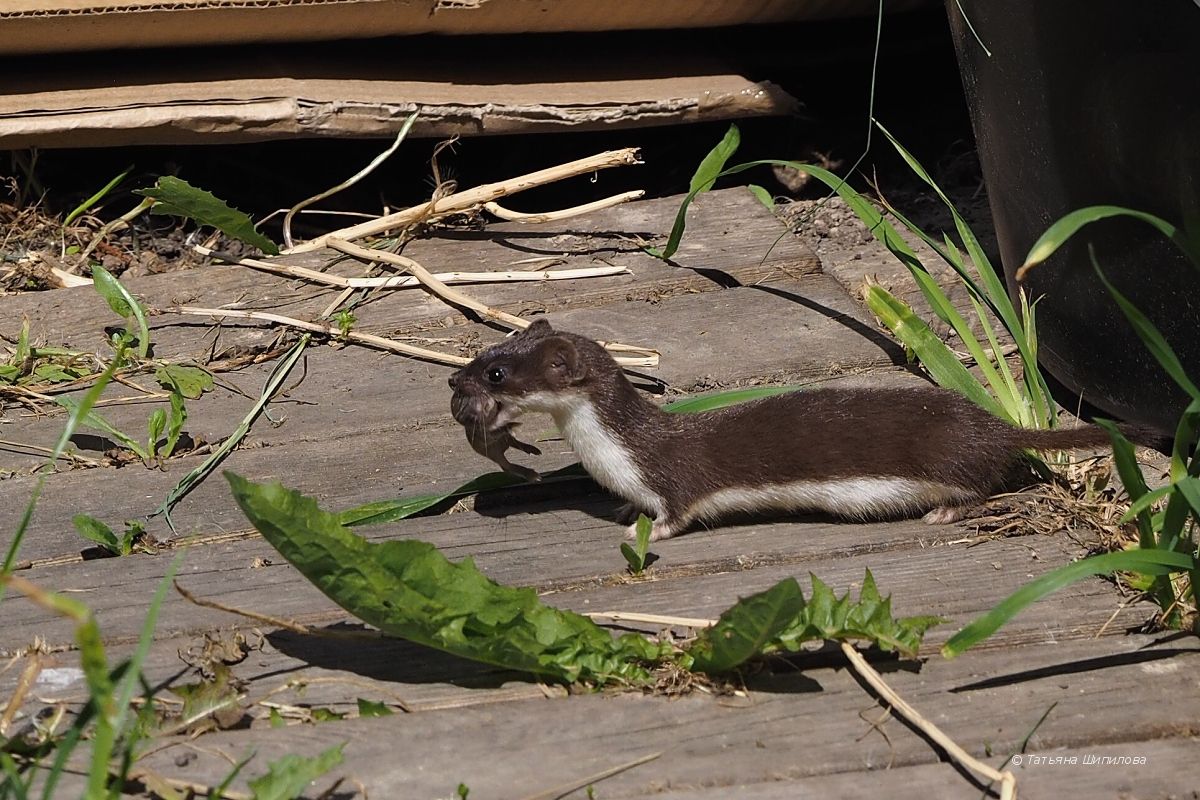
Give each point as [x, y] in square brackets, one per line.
[1091, 436]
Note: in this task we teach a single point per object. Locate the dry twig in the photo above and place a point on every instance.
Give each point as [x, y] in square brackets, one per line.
[471, 198]
[1007, 781]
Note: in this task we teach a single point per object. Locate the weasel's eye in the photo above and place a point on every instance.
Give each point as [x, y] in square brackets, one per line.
[496, 375]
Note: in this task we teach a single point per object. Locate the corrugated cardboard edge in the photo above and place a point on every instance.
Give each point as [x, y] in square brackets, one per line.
[49, 26]
[245, 110]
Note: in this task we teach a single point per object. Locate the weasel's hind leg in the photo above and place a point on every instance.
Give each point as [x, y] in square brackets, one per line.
[944, 515]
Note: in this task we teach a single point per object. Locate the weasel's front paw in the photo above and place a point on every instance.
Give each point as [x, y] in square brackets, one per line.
[658, 531]
[627, 514]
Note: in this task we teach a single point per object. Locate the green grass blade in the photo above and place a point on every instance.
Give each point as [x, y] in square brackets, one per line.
[1132, 478]
[935, 356]
[1007, 392]
[132, 677]
[196, 476]
[1058, 233]
[74, 419]
[1154, 341]
[762, 195]
[93, 420]
[1148, 562]
[712, 164]
[709, 170]
[710, 402]
[80, 209]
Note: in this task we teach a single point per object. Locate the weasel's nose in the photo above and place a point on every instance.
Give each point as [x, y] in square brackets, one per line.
[454, 379]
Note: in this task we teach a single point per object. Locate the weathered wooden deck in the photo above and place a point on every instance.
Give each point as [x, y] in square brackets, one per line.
[363, 426]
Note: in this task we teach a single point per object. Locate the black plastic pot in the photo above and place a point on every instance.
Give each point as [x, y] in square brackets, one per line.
[1089, 102]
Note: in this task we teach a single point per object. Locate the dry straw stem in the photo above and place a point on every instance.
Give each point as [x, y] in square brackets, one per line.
[640, 356]
[472, 198]
[652, 619]
[496, 210]
[328, 330]
[1007, 781]
[408, 281]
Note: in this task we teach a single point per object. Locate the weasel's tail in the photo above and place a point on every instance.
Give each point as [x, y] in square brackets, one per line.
[1089, 437]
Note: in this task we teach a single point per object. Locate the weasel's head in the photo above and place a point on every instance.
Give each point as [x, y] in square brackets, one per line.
[538, 369]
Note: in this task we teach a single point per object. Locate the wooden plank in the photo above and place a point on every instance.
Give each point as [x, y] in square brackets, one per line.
[699, 575]
[518, 749]
[1161, 771]
[359, 428]
[730, 234]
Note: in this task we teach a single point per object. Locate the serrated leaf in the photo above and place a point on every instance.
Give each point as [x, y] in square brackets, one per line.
[181, 199]
[191, 382]
[781, 619]
[96, 531]
[748, 627]
[409, 589]
[288, 777]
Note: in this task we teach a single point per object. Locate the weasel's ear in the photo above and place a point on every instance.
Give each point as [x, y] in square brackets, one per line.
[562, 362]
[539, 328]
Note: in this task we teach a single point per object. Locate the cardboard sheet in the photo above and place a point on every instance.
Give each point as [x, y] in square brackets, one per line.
[251, 94]
[46, 26]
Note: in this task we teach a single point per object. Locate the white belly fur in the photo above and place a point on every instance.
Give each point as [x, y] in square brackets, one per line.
[604, 456]
[860, 498]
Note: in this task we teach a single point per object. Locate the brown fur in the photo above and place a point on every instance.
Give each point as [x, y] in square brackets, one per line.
[926, 434]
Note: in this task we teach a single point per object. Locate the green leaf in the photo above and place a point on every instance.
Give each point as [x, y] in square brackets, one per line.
[82, 208]
[746, 628]
[22, 353]
[780, 619]
[709, 402]
[175, 422]
[93, 420]
[407, 588]
[935, 356]
[320, 714]
[371, 708]
[1147, 562]
[123, 304]
[96, 531]
[288, 777]
[155, 426]
[1154, 341]
[191, 382]
[762, 195]
[1062, 230]
[1131, 478]
[52, 373]
[636, 556]
[179, 198]
[712, 164]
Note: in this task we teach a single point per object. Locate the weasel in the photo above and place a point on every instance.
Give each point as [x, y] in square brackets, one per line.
[855, 453]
